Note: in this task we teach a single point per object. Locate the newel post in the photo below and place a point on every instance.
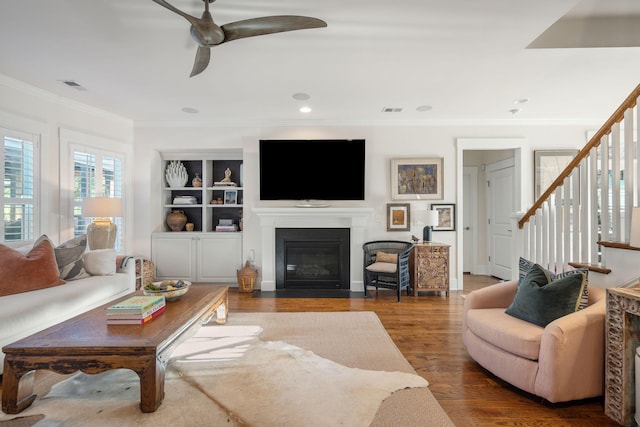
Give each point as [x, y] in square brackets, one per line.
[517, 243]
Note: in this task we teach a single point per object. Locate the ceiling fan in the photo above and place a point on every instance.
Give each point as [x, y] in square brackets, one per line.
[208, 34]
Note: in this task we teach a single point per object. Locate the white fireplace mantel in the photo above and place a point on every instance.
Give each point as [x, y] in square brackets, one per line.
[356, 219]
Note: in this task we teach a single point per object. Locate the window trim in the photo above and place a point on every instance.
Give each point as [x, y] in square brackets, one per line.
[71, 140]
[33, 138]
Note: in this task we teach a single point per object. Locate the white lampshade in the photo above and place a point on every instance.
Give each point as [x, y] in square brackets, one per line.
[101, 207]
[432, 218]
[101, 233]
[634, 238]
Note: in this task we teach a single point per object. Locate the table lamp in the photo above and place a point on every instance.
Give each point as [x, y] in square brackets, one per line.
[101, 233]
[430, 220]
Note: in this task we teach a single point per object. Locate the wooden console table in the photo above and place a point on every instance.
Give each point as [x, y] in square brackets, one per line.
[622, 334]
[85, 343]
[429, 266]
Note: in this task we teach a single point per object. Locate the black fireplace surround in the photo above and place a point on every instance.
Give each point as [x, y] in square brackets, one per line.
[312, 258]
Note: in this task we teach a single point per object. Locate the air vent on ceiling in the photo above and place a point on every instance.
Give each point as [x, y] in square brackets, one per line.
[73, 85]
[391, 110]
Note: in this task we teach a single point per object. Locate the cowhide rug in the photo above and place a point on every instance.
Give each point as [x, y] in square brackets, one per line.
[225, 375]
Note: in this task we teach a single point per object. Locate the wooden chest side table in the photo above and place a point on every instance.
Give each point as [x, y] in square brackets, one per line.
[429, 265]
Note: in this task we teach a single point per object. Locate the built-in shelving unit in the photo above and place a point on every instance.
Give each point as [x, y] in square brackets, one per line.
[213, 202]
[203, 254]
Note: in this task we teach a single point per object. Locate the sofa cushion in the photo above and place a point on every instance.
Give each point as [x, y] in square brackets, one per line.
[508, 333]
[100, 262]
[540, 300]
[525, 265]
[22, 273]
[69, 257]
[382, 267]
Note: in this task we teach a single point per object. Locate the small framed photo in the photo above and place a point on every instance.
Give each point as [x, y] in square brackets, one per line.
[416, 179]
[230, 197]
[398, 216]
[446, 216]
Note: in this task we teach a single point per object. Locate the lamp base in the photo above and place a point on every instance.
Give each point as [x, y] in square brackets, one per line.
[426, 233]
[101, 234]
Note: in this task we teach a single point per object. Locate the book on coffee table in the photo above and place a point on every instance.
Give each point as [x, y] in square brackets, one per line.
[134, 320]
[126, 315]
[137, 305]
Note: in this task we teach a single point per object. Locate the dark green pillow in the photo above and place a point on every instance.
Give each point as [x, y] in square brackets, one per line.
[525, 265]
[541, 300]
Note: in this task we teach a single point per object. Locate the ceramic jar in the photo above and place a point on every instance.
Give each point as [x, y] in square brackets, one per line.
[176, 220]
[197, 181]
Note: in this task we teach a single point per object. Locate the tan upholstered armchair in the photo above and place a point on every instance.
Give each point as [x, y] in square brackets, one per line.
[561, 362]
[386, 265]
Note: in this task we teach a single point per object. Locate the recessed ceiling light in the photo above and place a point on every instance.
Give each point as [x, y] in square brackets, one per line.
[301, 96]
[424, 108]
[515, 110]
[190, 110]
[305, 109]
[521, 101]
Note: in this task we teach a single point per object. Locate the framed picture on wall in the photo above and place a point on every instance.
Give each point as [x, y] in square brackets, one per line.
[547, 165]
[398, 216]
[446, 216]
[416, 179]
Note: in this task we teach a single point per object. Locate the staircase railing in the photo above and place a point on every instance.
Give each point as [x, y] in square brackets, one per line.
[591, 201]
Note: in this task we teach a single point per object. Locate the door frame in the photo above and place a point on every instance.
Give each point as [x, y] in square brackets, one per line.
[472, 199]
[523, 167]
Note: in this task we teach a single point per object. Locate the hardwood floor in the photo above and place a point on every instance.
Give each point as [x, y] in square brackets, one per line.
[427, 331]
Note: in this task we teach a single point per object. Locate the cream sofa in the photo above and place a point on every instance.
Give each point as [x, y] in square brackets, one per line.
[561, 362]
[25, 313]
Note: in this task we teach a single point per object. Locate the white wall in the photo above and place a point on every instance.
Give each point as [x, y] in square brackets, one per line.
[382, 144]
[28, 109]
[34, 111]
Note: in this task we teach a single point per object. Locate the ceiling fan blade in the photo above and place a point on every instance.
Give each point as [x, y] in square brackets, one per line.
[268, 25]
[202, 60]
[192, 19]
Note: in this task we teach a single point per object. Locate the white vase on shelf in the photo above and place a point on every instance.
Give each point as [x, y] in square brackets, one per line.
[176, 174]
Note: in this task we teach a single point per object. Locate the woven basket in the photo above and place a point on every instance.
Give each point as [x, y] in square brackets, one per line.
[247, 278]
[147, 272]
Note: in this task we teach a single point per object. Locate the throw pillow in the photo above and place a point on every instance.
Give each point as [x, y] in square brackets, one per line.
[525, 265]
[69, 257]
[22, 273]
[541, 300]
[100, 262]
[385, 257]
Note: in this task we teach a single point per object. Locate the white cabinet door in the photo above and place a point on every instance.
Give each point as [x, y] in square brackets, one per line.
[197, 257]
[219, 257]
[173, 256]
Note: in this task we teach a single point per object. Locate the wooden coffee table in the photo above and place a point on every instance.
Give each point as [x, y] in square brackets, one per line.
[85, 343]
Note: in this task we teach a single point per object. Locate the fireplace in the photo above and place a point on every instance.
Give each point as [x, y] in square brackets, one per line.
[272, 218]
[312, 258]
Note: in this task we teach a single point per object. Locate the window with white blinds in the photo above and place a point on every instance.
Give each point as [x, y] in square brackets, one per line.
[95, 174]
[20, 183]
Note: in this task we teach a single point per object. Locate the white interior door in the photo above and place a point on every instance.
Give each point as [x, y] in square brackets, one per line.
[500, 205]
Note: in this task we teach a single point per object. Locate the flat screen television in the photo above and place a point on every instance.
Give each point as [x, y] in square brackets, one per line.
[317, 169]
